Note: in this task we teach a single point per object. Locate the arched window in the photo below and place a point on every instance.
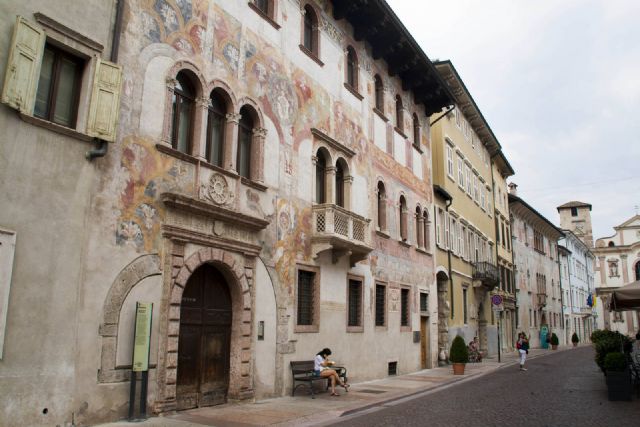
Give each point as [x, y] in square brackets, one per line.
[399, 108]
[427, 231]
[419, 228]
[637, 269]
[379, 93]
[403, 219]
[416, 130]
[265, 6]
[184, 95]
[245, 136]
[339, 185]
[321, 175]
[611, 244]
[216, 123]
[382, 204]
[352, 68]
[310, 30]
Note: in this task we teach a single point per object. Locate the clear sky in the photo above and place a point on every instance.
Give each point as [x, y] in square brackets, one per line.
[559, 83]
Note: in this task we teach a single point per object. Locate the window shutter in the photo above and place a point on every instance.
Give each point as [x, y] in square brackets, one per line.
[23, 67]
[105, 101]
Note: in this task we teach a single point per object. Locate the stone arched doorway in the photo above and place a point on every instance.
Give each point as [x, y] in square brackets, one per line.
[204, 343]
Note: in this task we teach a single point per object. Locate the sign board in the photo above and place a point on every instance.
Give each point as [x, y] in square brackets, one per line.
[142, 338]
[496, 300]
[498, 307]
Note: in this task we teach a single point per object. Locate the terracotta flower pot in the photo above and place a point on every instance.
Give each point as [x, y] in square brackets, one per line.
[458, 368]
[575, 344]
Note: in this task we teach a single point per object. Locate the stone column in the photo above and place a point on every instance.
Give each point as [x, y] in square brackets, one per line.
[257, 155]
[348, 182]
[168, 112]
[200, 121]
[231, 142]
[330, 183]
[603, 270]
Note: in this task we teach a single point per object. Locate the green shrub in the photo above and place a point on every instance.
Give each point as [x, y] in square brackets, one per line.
[554, 339]
[458, 352]
[575, 339]
[609, 342]
[599, 334]
[615, 361]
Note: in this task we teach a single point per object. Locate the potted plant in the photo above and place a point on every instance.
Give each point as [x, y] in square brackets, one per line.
[574, 339]
[618, 376]
[458, 355]
[554, 341]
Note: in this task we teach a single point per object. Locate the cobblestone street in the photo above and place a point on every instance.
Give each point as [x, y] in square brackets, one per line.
[564, 389]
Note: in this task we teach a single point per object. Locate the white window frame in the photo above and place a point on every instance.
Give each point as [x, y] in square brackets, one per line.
[460, 171]
[449, 160]
[439, 217]
[467, 171]
[446, 230]
[461, 237]
[476, 196]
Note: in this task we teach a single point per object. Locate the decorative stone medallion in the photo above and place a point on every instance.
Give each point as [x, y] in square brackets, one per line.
[217, 190]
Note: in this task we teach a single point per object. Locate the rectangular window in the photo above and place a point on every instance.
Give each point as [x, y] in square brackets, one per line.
[574, 211]
[467, 172]
[424, 302]
[464, 305]
[58, 87]
[439, 217]
[476, 195]
[461, 237]
[449, 161]
[404, 307]
[454, 236]
[354, 305]
[446, 231]
[483, 197]
[307, 298]
[381, 305]
[460, 172]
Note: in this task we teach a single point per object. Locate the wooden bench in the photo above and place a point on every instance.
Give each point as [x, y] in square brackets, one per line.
[303, 374]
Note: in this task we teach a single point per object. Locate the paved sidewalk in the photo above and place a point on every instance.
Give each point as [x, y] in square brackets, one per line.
[301, 410]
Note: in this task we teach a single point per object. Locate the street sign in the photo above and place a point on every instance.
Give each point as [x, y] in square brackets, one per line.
[496, 300]
[498, 308]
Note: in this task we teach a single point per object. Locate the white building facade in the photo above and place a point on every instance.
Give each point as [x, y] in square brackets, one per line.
[577, 282]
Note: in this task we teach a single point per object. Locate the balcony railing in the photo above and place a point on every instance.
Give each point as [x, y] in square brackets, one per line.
[486, 273]
[342, 231]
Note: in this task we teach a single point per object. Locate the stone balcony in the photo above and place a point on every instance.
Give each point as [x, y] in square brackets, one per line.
[340, 231]
[485, 274]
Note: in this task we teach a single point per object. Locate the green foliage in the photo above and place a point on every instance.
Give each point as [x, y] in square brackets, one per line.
[458, 352]
[554, 339]
[575, 339]
[615, 361]
[608, 342]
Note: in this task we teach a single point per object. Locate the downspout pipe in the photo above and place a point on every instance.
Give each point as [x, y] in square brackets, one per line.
[449, 202]
[102, 146]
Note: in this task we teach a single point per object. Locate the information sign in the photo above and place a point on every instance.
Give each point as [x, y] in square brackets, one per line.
[144, 311]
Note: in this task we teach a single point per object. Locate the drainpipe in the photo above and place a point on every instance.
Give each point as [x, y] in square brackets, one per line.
[103, 146]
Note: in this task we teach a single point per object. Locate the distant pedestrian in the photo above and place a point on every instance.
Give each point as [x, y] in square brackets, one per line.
[523, 348]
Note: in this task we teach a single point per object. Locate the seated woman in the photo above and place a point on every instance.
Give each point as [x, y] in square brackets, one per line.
[321, 366]
[475, 355]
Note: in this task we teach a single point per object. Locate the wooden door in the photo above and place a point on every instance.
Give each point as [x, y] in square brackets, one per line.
[424, 342]
[205, 340]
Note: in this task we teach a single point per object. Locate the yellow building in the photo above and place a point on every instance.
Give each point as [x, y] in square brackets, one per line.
[468, 164]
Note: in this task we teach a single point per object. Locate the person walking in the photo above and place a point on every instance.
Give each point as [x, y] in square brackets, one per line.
[523, 348]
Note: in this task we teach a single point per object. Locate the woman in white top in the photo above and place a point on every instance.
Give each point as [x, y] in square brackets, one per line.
[321, 366]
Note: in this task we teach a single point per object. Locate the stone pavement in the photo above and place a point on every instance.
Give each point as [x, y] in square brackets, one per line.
[301, 410]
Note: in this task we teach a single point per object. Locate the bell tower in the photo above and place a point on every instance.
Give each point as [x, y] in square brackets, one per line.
[576, 217]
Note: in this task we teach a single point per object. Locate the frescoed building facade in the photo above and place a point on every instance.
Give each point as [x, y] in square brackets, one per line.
[268, 188]
[617, 264]
[465, 155]
[535, 252]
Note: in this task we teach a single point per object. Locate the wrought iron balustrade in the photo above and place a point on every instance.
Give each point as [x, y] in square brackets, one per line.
[486, 272]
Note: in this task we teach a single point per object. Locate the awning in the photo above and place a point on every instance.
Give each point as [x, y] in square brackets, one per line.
[626, 297]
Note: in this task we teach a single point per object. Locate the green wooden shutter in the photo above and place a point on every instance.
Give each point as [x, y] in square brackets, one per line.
[105, 101]
[23, 67]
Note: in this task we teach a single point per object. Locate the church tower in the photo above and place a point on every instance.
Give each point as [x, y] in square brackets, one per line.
[576, 217]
